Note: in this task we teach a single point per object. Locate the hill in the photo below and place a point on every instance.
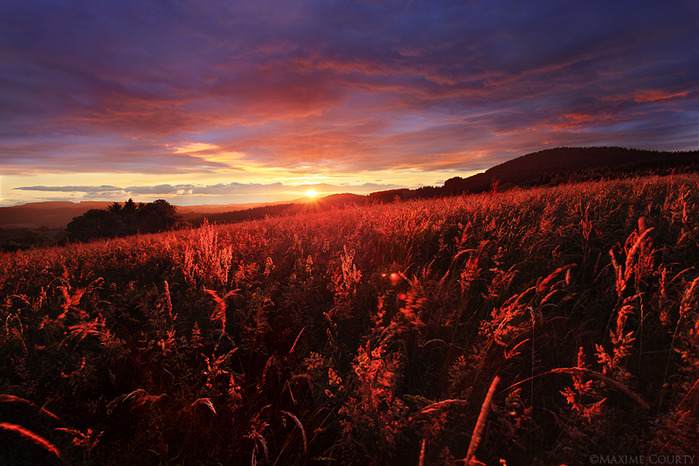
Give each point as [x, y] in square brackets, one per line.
[45, 214]
[559, 165]
[546, 167]
[194, 212]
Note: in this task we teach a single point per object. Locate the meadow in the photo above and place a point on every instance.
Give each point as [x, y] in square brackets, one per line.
[536, 326]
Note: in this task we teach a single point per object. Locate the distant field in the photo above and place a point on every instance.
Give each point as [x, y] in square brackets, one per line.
[368, 335]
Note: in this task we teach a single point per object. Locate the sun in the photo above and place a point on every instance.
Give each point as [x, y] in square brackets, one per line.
[311, 193]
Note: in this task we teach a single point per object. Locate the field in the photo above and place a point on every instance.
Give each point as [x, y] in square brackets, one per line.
[536, 326]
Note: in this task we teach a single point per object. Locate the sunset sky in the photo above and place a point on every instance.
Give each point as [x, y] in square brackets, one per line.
[221, 101]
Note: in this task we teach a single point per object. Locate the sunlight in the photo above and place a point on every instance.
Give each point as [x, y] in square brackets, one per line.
[311, 193]
[194, 147]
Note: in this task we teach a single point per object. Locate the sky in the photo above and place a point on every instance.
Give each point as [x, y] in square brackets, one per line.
[220, 101]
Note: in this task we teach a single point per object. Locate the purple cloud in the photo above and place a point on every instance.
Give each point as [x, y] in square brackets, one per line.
[340, 86]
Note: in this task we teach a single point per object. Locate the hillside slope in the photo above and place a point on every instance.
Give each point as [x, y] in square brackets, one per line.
[45, 214]
[557, 165]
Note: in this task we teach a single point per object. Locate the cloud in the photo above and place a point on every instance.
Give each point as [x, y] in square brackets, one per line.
[232, 192]
[71, 189]
[658, 95]
[160, 190]
[215, 189]
[217, 86]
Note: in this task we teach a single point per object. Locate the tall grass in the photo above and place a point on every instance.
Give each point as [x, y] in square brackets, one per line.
[369, 335]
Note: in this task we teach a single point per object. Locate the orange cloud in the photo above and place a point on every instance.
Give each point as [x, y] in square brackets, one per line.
[657, 95]
[578, 120]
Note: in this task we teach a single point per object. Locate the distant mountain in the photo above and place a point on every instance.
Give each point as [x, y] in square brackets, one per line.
[45, 214]
[555, 166]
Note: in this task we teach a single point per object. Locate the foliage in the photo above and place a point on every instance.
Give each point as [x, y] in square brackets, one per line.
[129, 219]
[369, 335]
[25, 238]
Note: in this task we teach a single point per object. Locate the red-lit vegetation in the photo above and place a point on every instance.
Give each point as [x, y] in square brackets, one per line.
[536, 327]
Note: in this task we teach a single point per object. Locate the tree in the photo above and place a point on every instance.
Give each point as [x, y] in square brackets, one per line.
[129, 219]
[116, 208]
[27, 239]
[130, 208]
[156, 216]
[94, 223]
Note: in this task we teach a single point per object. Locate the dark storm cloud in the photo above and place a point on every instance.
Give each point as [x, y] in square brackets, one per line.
[345, 85]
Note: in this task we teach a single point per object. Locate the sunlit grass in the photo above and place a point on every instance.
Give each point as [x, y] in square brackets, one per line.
[367, 335]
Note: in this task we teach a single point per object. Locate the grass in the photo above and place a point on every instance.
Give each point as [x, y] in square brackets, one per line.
[368, 335]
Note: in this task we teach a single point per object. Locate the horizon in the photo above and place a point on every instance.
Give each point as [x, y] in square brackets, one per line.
[309, 192]
[215, 103]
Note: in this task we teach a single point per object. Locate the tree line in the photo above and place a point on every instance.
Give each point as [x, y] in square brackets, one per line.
[124, 219]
